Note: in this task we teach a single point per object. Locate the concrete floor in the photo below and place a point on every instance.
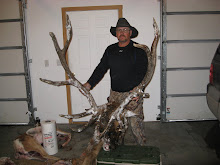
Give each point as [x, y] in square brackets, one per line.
[180, 143]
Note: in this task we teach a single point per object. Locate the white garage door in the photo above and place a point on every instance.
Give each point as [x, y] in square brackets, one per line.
[190, 37]
[15, 96]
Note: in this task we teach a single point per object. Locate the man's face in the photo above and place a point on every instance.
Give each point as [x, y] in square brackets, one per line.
[123, 34]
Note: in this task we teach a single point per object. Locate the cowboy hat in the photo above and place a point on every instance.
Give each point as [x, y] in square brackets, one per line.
[122, 22]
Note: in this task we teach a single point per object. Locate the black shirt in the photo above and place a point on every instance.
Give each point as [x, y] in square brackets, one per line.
[128, 66]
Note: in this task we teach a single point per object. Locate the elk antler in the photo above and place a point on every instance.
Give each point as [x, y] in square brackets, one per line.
[100, 113]
[72, 80]
[151, 55]
[120, 112]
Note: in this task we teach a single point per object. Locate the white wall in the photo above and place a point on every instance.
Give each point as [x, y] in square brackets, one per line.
[44, 16]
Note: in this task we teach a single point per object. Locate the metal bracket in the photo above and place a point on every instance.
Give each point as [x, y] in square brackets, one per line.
[24, 3]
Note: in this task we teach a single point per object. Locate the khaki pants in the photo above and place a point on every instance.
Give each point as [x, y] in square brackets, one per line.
[136, 122]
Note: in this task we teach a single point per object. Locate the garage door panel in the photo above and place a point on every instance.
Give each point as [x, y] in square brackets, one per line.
[186, 82]
[190, 38]
[12, 87]
[193, 5]
[11, 32]
[14, 112]
[9, 5]
[190, 54]
[183, 27]
[180, 108]
[11, 61]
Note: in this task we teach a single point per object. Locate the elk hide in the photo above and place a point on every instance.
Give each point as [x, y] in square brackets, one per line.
[29, 145]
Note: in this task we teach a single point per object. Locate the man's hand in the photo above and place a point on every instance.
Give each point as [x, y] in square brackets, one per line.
[87, 86]
[136, 99]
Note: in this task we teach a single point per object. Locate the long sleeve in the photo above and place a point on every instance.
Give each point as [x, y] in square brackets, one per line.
[128, 66]
[99, 71]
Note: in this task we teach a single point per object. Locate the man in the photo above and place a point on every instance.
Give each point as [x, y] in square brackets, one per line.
[128, 66]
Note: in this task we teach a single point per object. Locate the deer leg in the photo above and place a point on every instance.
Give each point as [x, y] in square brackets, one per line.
[67, 136]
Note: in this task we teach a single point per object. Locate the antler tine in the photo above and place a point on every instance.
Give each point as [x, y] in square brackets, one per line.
[69, 33]
[151, 57]
[55, 83]
[62, 53]
[62, 56]
[76, 116]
